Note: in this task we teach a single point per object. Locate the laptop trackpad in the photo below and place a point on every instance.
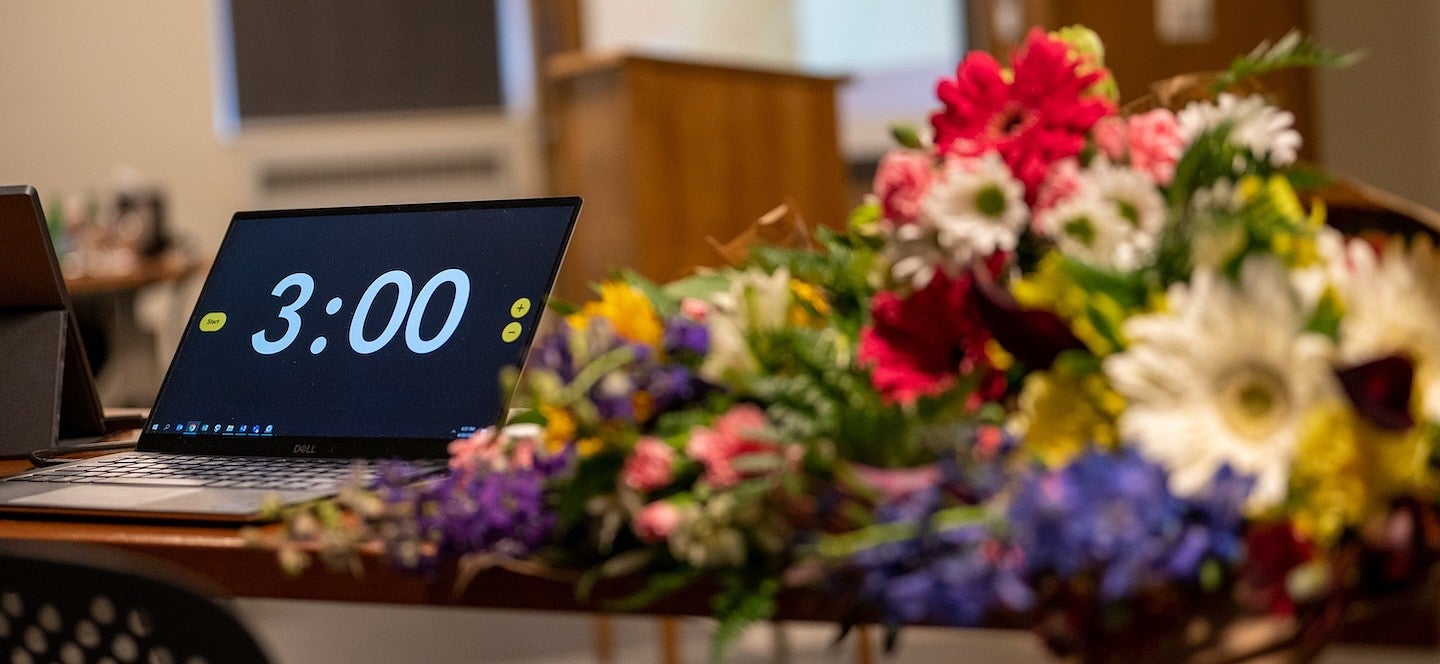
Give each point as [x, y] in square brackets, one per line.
[94, 496]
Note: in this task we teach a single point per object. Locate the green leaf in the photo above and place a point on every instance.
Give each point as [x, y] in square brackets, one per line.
[665, 305]
[1126, 288]
[660, 586]
[561, 306]
[1326, 319]
[741, 603]
[906, 135]
[1293, 50]
[1305, 178]
[594, 475]
[699, 286]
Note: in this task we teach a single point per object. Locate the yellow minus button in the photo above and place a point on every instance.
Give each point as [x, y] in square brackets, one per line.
[510, 333]
[212, 322]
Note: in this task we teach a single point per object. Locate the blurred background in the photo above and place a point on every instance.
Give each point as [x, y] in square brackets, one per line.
[146, 124]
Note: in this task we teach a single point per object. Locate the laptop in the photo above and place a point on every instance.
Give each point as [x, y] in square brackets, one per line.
[322, 336]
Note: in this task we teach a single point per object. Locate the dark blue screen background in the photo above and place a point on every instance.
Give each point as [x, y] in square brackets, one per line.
[218, 377]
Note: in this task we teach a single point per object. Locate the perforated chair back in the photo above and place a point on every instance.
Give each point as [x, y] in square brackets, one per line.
[79, 604]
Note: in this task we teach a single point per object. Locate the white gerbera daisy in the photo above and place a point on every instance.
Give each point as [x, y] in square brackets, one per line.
[976, 207]
[1225, 377]
[1392, 307]
[1265, 130]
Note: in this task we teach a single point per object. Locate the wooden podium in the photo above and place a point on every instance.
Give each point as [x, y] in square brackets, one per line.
[667, 153]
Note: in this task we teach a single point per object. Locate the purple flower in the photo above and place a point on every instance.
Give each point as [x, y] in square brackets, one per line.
[552, 353]
[506, 513]
[684, 335]
[1113, 515]
[955, 576]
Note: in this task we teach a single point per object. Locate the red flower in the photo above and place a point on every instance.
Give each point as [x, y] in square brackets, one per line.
[918, 345]
[1272, 550]
[1037, 118]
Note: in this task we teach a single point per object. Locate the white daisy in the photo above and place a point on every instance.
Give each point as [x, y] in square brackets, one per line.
[1225, 377]
[1138, 203]
[1113, 220]
[976, 207]
[1267, 131]
[1086, 227]
[1392, 307]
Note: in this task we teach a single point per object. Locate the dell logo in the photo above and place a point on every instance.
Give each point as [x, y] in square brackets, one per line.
[304, 449]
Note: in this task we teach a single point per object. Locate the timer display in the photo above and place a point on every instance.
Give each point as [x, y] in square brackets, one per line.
[371, 324]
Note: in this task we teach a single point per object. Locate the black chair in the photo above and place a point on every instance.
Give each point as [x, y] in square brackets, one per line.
[73, 604]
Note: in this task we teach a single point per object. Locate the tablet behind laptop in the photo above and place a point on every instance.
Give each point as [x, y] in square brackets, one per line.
[46, 389]
[373, 332]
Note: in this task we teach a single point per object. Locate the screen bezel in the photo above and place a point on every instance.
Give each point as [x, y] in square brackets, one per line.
[344, 446]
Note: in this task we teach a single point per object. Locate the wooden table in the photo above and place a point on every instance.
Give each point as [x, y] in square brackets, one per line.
[219, 554]
[165, 269]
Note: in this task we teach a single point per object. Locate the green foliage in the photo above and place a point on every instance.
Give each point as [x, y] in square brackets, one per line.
[842, 267]
[660, 586]
[1293, 50]
[745, 598]
[594, 475]
[811, 397]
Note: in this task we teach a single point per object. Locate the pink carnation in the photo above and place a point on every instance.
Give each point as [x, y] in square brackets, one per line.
[1109, 134]
[655, 522]
[650, 466]
[1155, 144]
[734, 435]
[901, 181]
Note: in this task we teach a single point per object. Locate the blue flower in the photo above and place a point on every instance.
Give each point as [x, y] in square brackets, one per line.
[955, 576]
[1113, 515]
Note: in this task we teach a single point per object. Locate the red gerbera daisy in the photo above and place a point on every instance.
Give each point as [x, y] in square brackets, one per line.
[1038, 117]
[917, 346]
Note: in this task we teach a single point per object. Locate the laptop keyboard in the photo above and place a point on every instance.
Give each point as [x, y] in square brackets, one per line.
[233, 472]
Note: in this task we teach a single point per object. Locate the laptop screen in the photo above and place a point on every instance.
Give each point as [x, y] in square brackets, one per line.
[374, 331]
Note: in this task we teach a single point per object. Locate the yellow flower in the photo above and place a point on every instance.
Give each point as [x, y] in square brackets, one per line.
[808, 307]
[627, 309]
[1048, 287]
[1347, 470]
[1063, 412]
[559, 427]
[999, 358]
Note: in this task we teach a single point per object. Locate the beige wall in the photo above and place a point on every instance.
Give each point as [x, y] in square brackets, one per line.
[88, 86]
[1379, 121]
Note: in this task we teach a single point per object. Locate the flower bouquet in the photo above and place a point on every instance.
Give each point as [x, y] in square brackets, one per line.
[1104, 375]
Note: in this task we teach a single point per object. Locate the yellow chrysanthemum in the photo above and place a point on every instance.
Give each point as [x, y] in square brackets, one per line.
[808, 306]
[559, 427]
[627, 309]
[1063, 412]
[1048, 287]
[1347, 470]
